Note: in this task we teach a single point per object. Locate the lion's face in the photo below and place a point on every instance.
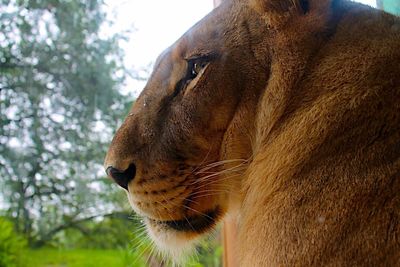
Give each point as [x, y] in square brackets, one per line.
[181, 150]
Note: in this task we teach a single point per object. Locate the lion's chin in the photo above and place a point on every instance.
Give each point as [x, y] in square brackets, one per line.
[178, 238]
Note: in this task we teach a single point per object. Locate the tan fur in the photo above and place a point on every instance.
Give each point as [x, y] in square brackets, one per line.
[301, 108]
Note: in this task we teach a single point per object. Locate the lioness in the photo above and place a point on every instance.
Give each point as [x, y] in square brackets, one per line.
[286, 112]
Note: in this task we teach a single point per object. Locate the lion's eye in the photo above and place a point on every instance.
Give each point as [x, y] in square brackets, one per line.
[195, 66]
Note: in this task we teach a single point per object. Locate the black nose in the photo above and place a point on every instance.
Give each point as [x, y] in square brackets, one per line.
[122, 178]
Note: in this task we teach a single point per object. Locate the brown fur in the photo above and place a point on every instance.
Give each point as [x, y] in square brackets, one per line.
[307, 94]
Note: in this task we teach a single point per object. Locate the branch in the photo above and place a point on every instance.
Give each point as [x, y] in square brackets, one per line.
[74, 224]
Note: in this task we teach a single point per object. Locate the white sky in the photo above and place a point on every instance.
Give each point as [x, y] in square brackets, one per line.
[154, 25]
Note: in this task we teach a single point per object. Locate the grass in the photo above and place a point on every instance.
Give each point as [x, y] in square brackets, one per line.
[81, 258]
[53, 257]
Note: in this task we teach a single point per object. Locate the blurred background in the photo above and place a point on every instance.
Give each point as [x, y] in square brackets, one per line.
[69, 72]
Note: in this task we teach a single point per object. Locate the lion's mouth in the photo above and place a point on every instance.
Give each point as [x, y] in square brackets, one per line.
[198, 224]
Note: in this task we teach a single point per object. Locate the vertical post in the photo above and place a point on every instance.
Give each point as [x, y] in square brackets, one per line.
[230, 242]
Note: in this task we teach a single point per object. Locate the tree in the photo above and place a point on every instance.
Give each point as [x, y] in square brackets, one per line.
[59, 103]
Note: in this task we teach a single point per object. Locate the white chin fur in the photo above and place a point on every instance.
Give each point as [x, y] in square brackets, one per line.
[176, 245]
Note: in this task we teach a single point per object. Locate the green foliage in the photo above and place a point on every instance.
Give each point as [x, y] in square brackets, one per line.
[46, 257]
[210, 253]
[59, 104]
[11, 245]
[81, 258]
[108, 233]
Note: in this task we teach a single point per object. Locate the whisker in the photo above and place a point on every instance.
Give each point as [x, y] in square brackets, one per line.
[187, 220]
[202, 162]
[142, 253]
[150, 254]
[218, 180]
[194, 210]
[139, 231]
[205, 195]
[208, 191]
[218, 163]
[227, 170]
[209, 178]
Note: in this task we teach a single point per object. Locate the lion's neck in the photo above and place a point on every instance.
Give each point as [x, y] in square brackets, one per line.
[325, 173]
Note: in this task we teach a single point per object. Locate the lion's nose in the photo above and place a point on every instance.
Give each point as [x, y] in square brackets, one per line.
[122, 178]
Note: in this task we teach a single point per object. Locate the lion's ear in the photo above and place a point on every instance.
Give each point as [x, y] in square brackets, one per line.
[278, 12]
[280, 6]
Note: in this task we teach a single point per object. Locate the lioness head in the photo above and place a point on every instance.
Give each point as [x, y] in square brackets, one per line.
[187, 138]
